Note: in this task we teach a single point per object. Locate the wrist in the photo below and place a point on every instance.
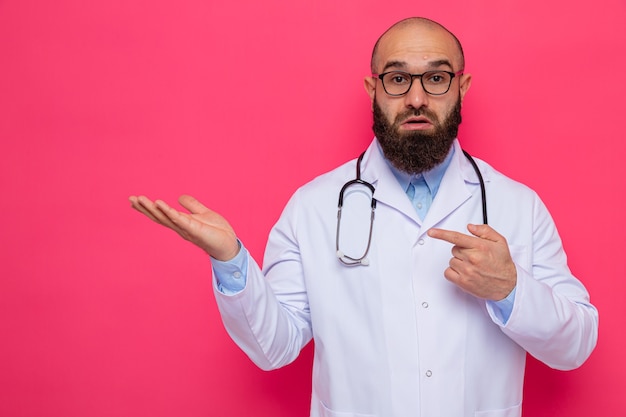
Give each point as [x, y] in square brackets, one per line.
[227, 254]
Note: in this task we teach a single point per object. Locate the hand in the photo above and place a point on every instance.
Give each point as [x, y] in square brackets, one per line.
[481, 264]
[201, 226]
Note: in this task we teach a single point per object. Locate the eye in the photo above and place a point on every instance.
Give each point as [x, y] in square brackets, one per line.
[436, 77]
[398, 78]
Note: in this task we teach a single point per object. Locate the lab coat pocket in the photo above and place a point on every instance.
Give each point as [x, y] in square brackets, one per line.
[327, 412]
[515, 411]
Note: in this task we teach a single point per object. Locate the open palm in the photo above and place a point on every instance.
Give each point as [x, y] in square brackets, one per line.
[201, 226]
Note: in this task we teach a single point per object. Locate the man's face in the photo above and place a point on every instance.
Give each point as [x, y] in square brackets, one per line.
[416, 130]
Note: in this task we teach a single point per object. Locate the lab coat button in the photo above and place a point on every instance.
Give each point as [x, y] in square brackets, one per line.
[429, 373]
[420, 242]
[425, 304]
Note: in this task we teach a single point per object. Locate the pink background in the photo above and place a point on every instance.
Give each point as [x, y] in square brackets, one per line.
[239, 102]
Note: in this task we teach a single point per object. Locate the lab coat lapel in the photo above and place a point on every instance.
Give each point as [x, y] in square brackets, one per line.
[453, 191]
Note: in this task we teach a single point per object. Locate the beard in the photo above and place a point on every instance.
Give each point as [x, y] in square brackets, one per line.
[415, 152]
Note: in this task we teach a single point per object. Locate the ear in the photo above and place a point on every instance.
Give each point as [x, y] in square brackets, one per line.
[464, 84]
[370, 87]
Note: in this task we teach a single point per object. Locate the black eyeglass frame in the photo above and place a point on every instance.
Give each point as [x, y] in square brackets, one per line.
[420, 76]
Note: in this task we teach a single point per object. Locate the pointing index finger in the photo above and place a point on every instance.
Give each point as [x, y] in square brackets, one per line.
[456, 238]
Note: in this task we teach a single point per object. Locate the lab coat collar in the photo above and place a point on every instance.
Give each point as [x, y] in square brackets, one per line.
[452, 193]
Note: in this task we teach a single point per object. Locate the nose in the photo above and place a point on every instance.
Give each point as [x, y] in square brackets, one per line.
[416, 97]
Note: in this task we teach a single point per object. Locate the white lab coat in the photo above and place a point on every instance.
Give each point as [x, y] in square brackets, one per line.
[395, 338]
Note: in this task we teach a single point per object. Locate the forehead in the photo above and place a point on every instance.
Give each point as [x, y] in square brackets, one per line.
[417, 47]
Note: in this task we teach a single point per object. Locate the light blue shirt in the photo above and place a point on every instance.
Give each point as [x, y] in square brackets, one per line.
[421, 190]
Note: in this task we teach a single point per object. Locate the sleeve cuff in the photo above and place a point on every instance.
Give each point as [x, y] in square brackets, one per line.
[231, 276]
[503, 308]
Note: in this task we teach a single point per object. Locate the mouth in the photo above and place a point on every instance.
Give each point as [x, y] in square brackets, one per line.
[416, 123]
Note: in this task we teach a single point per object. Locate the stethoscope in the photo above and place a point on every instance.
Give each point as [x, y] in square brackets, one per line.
[362, 260]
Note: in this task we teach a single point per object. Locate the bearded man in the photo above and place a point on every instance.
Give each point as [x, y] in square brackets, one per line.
[416, 305]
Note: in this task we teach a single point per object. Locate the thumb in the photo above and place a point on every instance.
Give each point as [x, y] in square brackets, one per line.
[484, 231]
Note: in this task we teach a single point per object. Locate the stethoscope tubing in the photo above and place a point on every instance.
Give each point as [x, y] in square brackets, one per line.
[362, 260]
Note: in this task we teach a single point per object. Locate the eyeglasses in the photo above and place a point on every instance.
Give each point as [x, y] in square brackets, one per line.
[398, 83]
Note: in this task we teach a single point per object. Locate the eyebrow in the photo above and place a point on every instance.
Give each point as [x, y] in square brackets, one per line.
[432, 64]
